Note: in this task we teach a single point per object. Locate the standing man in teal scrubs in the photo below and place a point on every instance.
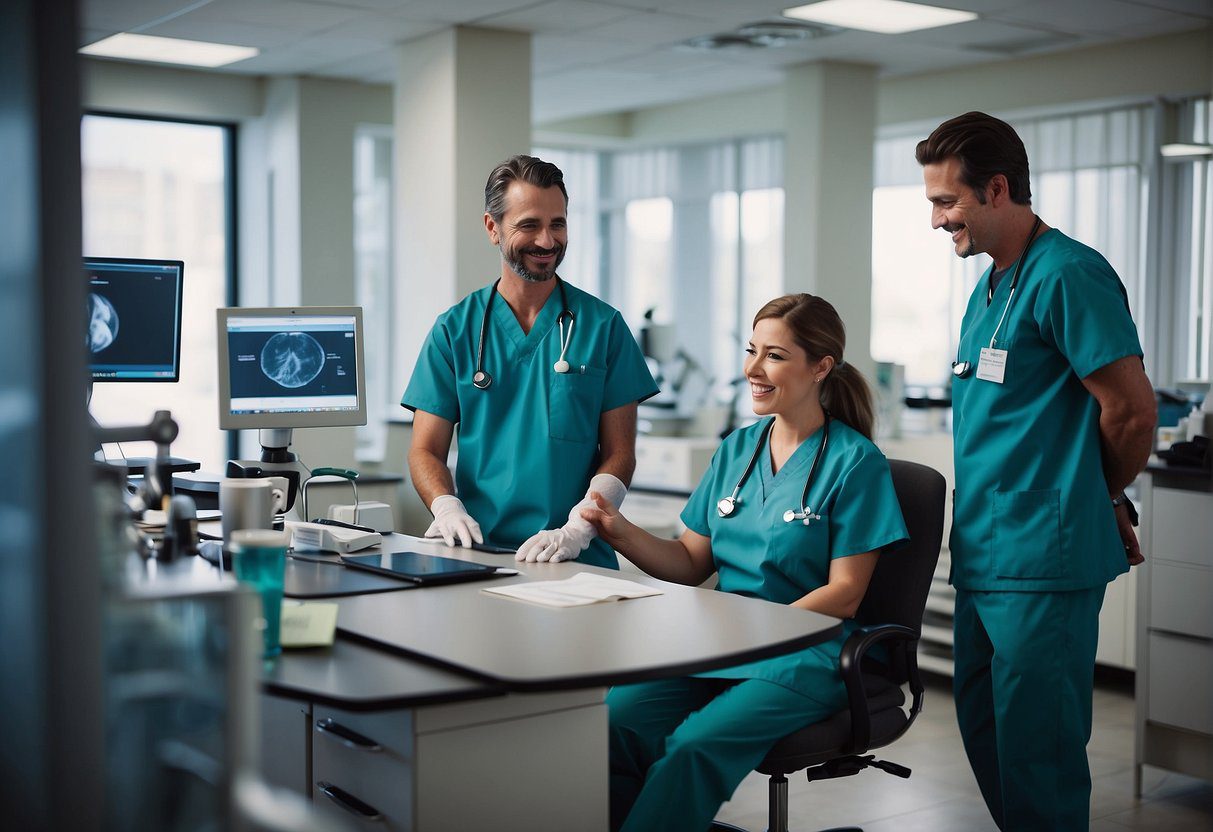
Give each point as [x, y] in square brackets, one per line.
[1053, 417]
[542, 380]
[794, 509]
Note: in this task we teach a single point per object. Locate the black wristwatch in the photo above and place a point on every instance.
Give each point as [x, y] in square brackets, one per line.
[1122, 499]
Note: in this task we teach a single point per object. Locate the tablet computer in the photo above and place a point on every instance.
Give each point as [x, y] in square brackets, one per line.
[426, 570]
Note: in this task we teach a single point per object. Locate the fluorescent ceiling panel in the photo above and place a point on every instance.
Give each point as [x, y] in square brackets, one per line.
[1177, 149]
[888, 17]
[168, 50]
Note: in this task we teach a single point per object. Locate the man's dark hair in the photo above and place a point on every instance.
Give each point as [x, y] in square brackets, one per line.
[523, 168]
[985, 146]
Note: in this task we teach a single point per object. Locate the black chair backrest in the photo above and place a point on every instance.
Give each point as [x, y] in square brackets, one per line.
[897, 593]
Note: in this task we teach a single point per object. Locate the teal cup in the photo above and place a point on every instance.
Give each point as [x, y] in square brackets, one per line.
[259, 560]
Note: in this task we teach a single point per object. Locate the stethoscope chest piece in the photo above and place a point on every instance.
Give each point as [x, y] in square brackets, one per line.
[561, 366]
[482, 380]
[726, 506]
[960, 369]
[805, 515]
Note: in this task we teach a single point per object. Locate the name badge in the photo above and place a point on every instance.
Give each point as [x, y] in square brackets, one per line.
[993, 365]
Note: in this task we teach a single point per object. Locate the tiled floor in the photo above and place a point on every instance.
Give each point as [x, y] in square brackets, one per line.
[942, 795]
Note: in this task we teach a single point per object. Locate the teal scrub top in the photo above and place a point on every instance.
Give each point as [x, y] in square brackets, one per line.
[758, 555]
[528, 445]
[1031, 509]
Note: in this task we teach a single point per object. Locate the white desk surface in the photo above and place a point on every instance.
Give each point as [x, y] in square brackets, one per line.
[522, 646]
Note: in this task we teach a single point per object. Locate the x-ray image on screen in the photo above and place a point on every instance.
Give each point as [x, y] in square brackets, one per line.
[134, 319]
[293, 359]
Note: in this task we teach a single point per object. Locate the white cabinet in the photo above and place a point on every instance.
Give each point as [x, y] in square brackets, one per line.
[1174, 717]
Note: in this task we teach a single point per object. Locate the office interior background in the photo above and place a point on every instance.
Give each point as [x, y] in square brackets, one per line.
[717, 154]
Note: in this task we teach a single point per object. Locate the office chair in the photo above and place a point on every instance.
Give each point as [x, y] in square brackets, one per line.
[891, 613]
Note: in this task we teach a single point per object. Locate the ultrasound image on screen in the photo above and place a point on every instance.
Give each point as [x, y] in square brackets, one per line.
[268, 364]
[102, 323]
[293, 359]
[133, 321]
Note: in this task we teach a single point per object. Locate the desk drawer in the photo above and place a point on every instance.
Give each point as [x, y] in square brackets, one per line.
[1182, 526]
[1181, 682]
[363, 767]
[1180, 598]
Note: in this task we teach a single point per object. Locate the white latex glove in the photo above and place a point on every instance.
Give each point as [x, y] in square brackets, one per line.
[567, 542]
[452, 521]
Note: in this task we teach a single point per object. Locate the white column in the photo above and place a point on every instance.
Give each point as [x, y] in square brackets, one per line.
[830, 113]
[462, 104]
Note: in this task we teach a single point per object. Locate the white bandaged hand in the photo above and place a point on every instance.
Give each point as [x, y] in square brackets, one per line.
[452, 522]
[567, 542]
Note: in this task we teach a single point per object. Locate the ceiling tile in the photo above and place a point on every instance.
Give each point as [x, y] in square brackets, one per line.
[652, 28]
[552, 53]
[127, 15]
[460, 11]
[1078, 17]
[557, 16]
[236, 34]
[385, 28]
[291, 15]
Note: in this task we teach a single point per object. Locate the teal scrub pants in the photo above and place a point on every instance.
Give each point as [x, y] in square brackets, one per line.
[1025, 665]
[680, 747]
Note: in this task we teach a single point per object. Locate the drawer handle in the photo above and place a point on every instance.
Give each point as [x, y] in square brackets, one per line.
[348, 738]
[348, 802]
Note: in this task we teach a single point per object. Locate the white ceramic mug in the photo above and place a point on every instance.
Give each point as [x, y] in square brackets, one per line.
[250, 503]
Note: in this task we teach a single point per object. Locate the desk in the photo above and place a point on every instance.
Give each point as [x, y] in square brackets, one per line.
[488, 713]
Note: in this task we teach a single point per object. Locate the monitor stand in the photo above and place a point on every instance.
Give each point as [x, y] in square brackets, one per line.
[276, 461]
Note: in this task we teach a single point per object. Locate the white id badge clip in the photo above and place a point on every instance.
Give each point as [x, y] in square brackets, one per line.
[993, 365]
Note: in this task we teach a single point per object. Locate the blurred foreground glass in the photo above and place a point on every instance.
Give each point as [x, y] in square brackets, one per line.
[259, 560]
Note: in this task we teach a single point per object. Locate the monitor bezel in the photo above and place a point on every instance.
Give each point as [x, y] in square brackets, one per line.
[270, 421]
[89, 262]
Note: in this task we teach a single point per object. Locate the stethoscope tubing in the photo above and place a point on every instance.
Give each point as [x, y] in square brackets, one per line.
[481, 379]
[727, 506]
[961, 369]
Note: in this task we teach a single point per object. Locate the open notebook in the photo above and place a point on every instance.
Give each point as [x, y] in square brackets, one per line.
[579, 590]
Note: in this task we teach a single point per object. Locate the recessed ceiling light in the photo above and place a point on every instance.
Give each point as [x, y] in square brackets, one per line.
[1180, 149]
[888, 17]
[168, 50]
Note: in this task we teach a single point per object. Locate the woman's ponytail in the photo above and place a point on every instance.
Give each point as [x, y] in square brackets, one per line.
[845, 393]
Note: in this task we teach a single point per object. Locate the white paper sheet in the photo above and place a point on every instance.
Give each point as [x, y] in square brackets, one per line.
[581, 589]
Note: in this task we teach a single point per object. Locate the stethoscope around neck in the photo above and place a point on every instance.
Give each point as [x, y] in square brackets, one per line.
[961, 369]
[728, 506]
[481, 379]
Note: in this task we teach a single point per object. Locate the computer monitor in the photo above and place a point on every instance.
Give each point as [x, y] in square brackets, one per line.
[291, 368]
[134, 319]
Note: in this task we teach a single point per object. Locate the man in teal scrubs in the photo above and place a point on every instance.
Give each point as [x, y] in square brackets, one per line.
[1053, 417]
[542, 380]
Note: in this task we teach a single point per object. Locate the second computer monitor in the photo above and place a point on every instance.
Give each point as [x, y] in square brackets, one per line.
[134, 319]
[291, 367]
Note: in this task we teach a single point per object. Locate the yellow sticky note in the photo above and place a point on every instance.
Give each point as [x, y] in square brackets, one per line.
[308, 625]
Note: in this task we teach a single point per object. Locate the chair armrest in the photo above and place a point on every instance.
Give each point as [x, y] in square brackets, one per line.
[850, 662]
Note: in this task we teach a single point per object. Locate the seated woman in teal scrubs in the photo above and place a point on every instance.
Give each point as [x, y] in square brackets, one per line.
[794, 509]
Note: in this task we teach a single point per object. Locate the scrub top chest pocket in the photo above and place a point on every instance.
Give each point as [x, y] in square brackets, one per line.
[575, 403]
[801, 553]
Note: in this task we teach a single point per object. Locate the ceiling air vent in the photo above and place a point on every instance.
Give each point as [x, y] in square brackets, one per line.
[761, 35]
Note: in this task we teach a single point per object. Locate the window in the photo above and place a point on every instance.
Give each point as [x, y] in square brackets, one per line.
[692, 235]
[1187, 232]
[1088, 180]
[160, 189]
[373, 281]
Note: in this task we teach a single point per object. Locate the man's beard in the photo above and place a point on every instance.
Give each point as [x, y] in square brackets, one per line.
[514, 260]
